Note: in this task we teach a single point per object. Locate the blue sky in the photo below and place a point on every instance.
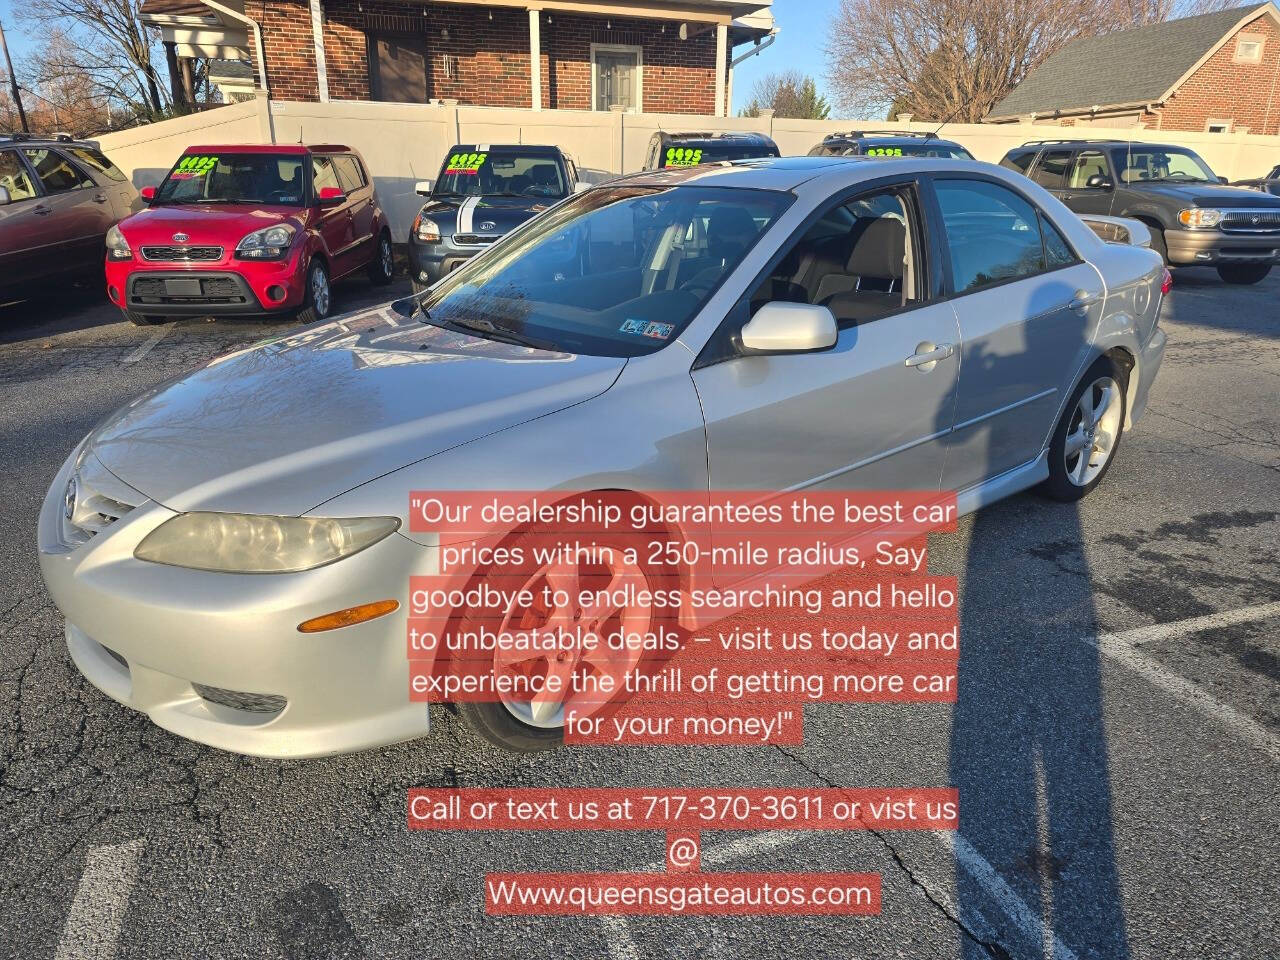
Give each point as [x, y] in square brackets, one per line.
[803, 23]
[800, 45]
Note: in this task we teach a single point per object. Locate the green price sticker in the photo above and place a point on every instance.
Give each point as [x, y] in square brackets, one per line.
[192, 166]
[884, 152]
[467, 163]
[683, 157]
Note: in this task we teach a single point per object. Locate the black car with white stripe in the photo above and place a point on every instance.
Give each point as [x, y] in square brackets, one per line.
[483, 192]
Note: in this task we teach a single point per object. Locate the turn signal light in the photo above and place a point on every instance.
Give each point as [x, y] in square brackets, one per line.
[349, 617]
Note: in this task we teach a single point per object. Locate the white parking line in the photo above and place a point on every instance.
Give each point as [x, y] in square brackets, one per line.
[93, 923]
[150, 343]
[1123, 648]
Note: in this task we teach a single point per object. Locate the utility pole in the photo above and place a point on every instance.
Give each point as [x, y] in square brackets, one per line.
[13, 82]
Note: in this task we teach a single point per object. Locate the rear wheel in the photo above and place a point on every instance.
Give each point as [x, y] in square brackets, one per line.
[1158, 244]
[319, 300]
[143, 319]
[1085, 441]
[383, 265]
[1244, 273]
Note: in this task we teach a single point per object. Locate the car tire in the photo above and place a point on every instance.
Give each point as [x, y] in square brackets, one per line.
[1244, 273]
[516, 727]
[1088, 434]
[143, 319]
[382, 268]
[319, 297]
[1158, 242]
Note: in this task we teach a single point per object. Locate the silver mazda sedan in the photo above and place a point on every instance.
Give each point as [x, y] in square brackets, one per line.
[232, 551]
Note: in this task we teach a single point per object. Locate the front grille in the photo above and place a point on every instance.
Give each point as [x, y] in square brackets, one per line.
[474, 239]
[182, 254]
[1250, 221]
[249, 702]
[100, 500]
[224, 289]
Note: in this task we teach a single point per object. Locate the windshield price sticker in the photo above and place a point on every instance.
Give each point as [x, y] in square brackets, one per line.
[884, 152]
[683, 157]
[190, 167]
[466, 163]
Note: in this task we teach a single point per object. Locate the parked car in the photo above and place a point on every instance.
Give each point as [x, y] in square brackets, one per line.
[249, 229]
[1268, 184]
[791, 324]
[888, 143]
[1194, 219]
[483, 192]
[692, 149]
[58, 199]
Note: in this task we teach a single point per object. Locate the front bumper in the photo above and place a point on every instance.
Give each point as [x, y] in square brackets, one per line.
[430, 262]
[1191, 247]
[159, 639]
[228, 289]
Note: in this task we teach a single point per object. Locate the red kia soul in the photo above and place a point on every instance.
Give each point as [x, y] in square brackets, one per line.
[249, 230]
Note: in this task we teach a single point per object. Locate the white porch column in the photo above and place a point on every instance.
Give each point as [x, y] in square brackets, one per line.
[535, 56]
[722, 65]
[317, 37]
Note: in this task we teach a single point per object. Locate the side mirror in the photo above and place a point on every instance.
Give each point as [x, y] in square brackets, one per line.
[423, 187]
[581, 186]
[1223, 180]
[5, 199]
[1099, 181]
[331, 196]
[147, 193]
[780, 327]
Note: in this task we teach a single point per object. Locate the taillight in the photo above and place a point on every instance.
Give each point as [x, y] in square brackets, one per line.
[1166, 282]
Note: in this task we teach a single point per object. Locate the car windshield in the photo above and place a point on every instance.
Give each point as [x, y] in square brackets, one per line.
[258, 178]
[501, 173]
[925, 148]
[612, 272]
[1170, 164]
[710, 152]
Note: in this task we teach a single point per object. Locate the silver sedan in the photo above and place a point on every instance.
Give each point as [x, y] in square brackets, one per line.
[232, 551]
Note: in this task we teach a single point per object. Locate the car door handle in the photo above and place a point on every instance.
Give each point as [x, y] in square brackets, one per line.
[41, 211]
[100, 198]
[1082, 299]
[927, 355]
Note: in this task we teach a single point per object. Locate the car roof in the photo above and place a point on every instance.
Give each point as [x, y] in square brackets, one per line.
[289, 148]
[789, 173]
[710, 137]
[540, 149]
[888, 138]
[56, 140]
[1071, 144]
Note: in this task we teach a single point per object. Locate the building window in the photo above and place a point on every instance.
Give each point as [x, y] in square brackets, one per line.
[617, 77]
[1217, 126]
[1249, 48]
[398, 68]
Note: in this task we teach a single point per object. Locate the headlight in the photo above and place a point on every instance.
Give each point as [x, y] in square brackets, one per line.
[426, 229]
[117, 245]
[1200, 218]
[247, 543]
[271, 243]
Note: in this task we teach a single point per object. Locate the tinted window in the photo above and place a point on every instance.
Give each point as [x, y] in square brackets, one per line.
[509, 173]
[993, 234]
[55, 171]
[349, 173]
[699, 152]
[1057, 253]
[92, 158]
[14, 176]
[1052, 168]
[1019, 161]
[255, 178]
[614, 272]
[924, 148]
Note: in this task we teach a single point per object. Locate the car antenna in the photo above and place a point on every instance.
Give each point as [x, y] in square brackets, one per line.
[933, 134]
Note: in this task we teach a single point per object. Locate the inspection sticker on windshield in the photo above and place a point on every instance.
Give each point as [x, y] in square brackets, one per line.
[633, 326]
[189, 168]
[468, 163]
[658, 331]
[683, 157]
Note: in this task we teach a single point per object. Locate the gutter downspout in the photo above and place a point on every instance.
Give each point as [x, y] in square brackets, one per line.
[317, 39]
[755, 49]
[257, 47]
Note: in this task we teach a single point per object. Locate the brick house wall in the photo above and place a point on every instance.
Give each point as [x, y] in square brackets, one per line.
[490, 47]
[1247, 94]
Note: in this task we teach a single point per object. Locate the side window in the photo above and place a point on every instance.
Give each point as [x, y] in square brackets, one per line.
[93, 158]
[1051, 169]
[324, 174]
[993, 235]
[857, 259]
[1088, 163]
[1057, 252]
[56, 172]
[1019, 161]
[14, 176]
[350, 177]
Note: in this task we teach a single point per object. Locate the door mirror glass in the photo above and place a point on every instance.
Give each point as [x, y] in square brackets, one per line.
[1223, 180]
[5, 200]
[147, 193]
[423, 188]
[1098, 181]
[331, 196]
[781, 327]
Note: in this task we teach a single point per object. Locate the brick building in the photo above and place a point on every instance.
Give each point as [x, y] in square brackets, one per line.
[1218, 72]
[655, 56]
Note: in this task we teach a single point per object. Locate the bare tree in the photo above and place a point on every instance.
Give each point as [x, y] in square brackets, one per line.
[105, 40]
[955, 59]
[788, 94]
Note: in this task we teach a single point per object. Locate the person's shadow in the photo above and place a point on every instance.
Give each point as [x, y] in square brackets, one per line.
[1028, 742]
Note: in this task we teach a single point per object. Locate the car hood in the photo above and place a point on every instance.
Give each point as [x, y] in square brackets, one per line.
[204, 222]
[470, 215]
[1207, 195]
[286, 425]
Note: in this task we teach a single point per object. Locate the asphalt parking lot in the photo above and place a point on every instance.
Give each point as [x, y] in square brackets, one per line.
[1115, 744]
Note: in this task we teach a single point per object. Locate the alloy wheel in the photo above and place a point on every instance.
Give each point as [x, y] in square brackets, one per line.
[1095, 427]
[319, 291]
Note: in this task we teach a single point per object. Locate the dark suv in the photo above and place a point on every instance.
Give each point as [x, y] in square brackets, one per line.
[1194, 218]
[695, 149]
[58, 199]
[888, 143]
